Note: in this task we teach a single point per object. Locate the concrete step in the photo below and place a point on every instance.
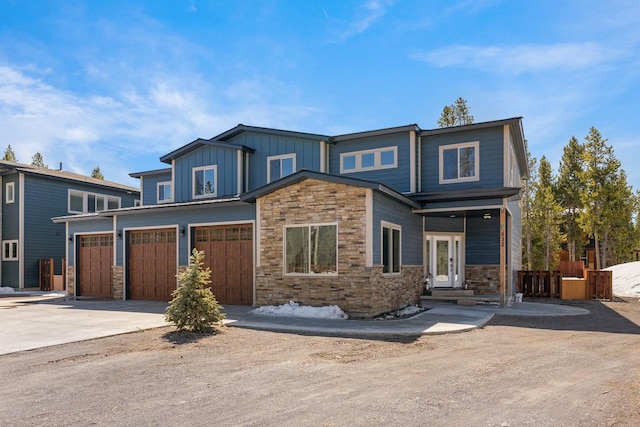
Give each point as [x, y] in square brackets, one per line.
[447, 292]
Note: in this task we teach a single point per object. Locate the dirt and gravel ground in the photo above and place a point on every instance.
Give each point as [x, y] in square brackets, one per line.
[561, 371]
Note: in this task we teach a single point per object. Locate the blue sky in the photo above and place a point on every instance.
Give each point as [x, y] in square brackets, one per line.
[120, 83]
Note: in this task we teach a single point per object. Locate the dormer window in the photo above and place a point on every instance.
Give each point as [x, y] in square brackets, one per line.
[205, 182]
[459, 162]
[280, 166]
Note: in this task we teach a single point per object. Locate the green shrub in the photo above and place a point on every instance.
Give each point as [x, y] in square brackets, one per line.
[194, 307]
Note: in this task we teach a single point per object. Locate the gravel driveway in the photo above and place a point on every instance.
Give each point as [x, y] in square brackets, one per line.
[575, 370]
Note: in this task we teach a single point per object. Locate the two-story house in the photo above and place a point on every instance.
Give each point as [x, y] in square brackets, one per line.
[359, 220]
[30, 197]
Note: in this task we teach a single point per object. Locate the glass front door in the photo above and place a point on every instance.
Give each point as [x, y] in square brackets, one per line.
[443, 257]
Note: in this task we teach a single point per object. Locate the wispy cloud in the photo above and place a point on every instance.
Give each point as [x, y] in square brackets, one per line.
[520, 59]
[365, 17]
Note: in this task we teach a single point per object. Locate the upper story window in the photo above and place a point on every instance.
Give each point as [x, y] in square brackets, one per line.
[84, 202]
[10, 250]
[390, 248]
[459, 162]
[280, 166]
[164, 192]
[311, 249]
[10, 196]
[359, 161]
[205, 181]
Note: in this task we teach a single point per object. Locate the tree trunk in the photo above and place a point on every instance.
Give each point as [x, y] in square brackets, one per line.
[597, 251]
[605, 246]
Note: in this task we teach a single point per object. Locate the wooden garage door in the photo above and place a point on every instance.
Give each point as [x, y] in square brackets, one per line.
[152, 264]
[95, 261]
[228, 253]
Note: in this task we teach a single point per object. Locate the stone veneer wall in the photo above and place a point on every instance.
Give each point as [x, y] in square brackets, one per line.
[117, 274]
[71, 280]
[359, 290]
[483, 279]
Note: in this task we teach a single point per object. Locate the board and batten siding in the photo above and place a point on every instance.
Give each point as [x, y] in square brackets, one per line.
[226, 162]
[491, 158]
[307, 153]
[10, 230]
[386, 209]
[398, 178]
[435, 225]
[482, 241]
[149, 184]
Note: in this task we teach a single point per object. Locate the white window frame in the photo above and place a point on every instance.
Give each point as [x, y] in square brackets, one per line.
[280, 157]
[476, 177]
[13, 254]
[214, 168]
[85, 201]
[284, 250]
[377, 163]
[164, 184]
[391, 227]
[10, 190]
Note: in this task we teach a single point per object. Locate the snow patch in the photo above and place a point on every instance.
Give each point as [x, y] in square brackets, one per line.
[6, 290]
[293, 309]
[408, 311]
[626, 279]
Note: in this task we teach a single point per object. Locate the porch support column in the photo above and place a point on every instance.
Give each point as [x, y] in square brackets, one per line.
[503, 248]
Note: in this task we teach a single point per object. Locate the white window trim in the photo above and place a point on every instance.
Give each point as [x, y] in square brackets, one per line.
[391, 226]
[215, 181]
[168, 200]
[280, 157]
[476, 177]
[376, 163]
[11, 257]
[85, 201]
[284, 249]
[12, 199]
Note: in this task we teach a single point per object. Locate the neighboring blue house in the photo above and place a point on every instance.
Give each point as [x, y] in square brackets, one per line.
[30, 197]
[359, 220]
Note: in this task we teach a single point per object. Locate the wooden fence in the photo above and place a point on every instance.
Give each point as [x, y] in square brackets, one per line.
[548, 284]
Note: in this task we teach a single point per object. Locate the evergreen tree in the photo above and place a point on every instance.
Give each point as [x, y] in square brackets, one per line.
[600, 175]
[9, 155]
[194, 307]
[569, 187]
[527, 219]
[455, 115]
[38, 161]
[546, 216]
[95, 173]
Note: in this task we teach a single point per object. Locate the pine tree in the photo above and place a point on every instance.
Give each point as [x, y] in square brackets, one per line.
[546, 218]
[455, 115]
[96, 173]
[194, 307]
[9, 155]
[527, 217]
[38, 161]
[569, 187]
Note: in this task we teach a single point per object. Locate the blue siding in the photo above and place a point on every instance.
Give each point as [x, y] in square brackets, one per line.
[471, 204]
[149, 184]
[483, 241]
[397, 178]
[307, 153]
[226, 162]
[96, 225]
[10, 224]
[386, 209]
[444, 225]
[491, 158]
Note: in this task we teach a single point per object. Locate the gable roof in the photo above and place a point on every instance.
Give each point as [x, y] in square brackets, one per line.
[167, 158]
[376, 132]
[227, 135]
[305, 174]
[7, 167]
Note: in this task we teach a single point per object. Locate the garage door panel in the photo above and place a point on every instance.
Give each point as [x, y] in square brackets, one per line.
[95, 261]
[229, 254]
[152, 264]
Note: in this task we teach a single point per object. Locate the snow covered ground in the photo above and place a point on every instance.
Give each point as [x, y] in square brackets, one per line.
[293, 309]
[626, 279]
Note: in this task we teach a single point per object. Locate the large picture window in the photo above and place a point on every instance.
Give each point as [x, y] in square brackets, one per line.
[311, 249]
[459, 162]
[83, 202]
[360, 161]
[280, 166]
[390, 248]
[204, 181]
